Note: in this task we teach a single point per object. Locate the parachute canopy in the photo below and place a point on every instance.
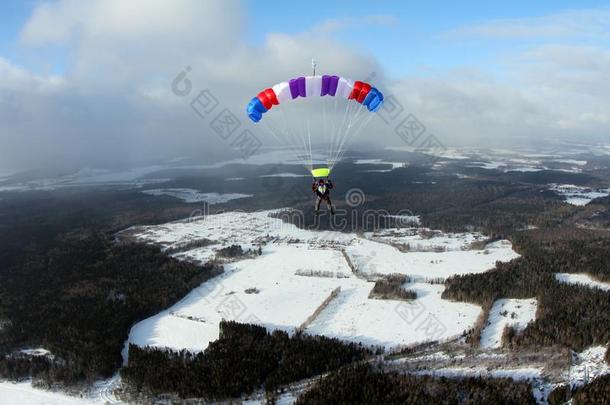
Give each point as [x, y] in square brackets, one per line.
[331, 110]
[312, 86]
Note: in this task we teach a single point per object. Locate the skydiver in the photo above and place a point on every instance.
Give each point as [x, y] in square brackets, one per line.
[322, 191]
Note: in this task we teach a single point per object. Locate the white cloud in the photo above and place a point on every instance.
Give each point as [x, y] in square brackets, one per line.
[15, 78]
[114, 102]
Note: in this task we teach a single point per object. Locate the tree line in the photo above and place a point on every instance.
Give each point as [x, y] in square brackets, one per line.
[364, 384]
[245, 358]
[570, 315]
[79, 300]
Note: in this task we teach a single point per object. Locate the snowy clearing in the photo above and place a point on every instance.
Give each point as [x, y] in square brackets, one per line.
[577, 195]
[588, 365]
[395, 165]
[372, 257]
[389, 323]
[190, 195]
[581, 279]
[516, 313]
[23, 393]
[285, 175]
[572, 162]
[303, 272]
[38, 352]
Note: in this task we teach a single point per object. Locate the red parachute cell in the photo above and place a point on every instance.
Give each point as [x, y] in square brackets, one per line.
[268, 98]
[360, 91]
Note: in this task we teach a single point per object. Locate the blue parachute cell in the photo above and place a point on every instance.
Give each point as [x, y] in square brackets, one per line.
[373, 100]
[255, 109]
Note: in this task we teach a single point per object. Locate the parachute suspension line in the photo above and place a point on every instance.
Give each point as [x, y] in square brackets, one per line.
[335, 132]
[364, 121]
[328, 134]
[309, 141]
[269, 128]
[282, 140]
[299, 139]
[339, 120]
[340, 131]
[324, 129]
[349, 133]
[296, 138]
[343, 130]
[360, 122]
[332, 113]
[329, 130]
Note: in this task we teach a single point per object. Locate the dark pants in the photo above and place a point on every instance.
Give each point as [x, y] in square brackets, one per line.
[328, 203]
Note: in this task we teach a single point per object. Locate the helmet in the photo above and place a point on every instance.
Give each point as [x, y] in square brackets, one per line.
[321, 181]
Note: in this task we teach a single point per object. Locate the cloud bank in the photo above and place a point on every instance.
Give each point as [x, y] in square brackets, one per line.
[112, 103]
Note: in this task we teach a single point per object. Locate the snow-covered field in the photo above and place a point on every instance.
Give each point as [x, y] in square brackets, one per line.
[563, 159]
[36, 352]
[516, 313]
[395, 165]
[585, 367]
[582, 279]
[285, 175]
[299, 269]
[588, 365]
[374, 257]
[389, 323]
[577, 195]
[190, 195]
[424, 240]
[23, 393]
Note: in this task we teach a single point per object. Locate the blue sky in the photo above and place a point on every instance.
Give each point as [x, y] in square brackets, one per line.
[416, 39]
[415, 42]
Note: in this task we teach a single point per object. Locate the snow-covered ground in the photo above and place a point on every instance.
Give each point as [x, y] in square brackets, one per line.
[559, 159]
[577, 195]
[582, 279]
[585, 367]
[281, 299]
[23, 393]
[395, 165]
[373, 257]
[285, 175]
[517, 374]
[136, 177]
[516, 313]
[424, 240]
[190, 195]
[299, 269]
[588, 365]
[354, 317]
[36, 352]
[572, 162]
